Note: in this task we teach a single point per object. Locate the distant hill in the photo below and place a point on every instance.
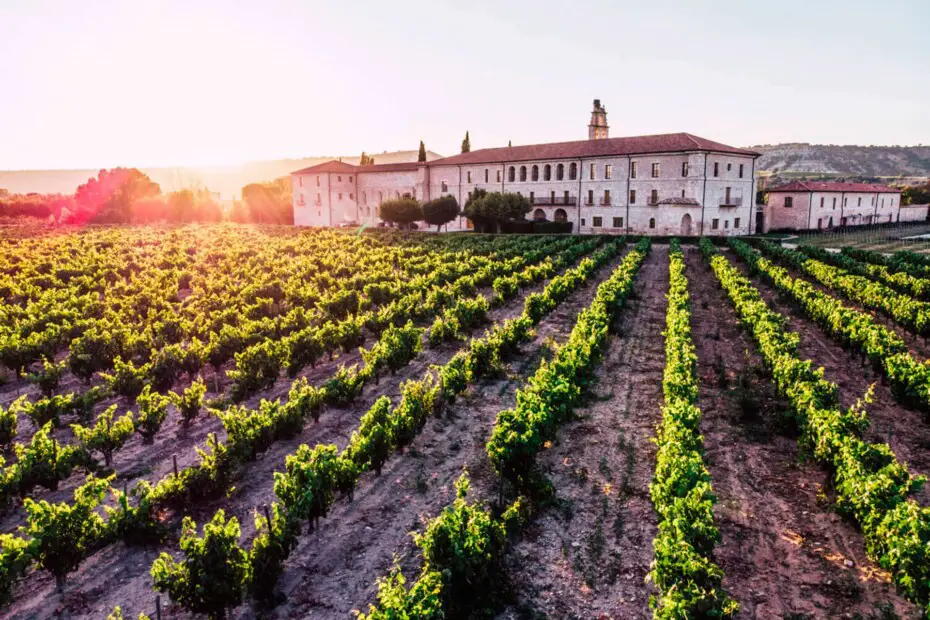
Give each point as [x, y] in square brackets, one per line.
[227, 180]
[844, 160]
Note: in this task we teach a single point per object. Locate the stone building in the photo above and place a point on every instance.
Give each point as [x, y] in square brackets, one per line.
[813, 205]
[668, 184]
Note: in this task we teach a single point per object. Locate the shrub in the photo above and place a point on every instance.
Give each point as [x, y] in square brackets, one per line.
[153, 409]
[190, 402]
[107, 435]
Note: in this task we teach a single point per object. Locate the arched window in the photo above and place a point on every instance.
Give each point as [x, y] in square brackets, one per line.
[561, 215]
[559, 172]
[512, 174]
[535, 173]
[445, 187]
[539, 215]
[652, 222]
[522, 173]
[547, 172]
[573, 171]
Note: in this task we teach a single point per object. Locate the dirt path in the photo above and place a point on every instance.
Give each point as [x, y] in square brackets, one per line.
[905, 430]
[340, 557]
[784, 554]
[588, 556]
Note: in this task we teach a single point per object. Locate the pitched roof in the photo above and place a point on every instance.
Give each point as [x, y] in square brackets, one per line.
[328, 166]
[679, 201]
[834, 186]
[635, 145]
[405, 165]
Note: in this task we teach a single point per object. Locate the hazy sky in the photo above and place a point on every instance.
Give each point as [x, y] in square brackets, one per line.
[95, 83]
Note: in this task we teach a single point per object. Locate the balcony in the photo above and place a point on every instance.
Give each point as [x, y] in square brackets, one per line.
[732, 201]
[652, 202]
[605, 202]
[559, 201]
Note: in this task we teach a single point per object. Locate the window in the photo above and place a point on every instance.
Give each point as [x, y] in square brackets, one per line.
[552, 197]
[559, 172]
[633, 169]
[684, 168]
[590, 200]
[736, 223]
[350, 178]
[532, 197]
[319, 198]
[300, 180]
[727, 196]
[655, 170]
[845, 203]
[522, 173]
[834, 202]
[468, 176]
[892, 202]
[726, 224]
[512, 174]
[339, 178]
[547, 172]
[340, 195]
[591, 169]
[380, 197]
[535, 173]
[444, 186]
[821, 202]
[652, 222]
[566, 197]
[632, 196]
[682, 193]
[740, 175]
[317, 181]
[573, 171]
[608, 171]
[498, 178]
[716, 168]
[300, 200]
[597, 222]
[729, 167]
[485, 175]
[618, 222]
[654, 197]
[819, 223]
[883, 203]
[859, 204]
[364, 198]
[789, 202]
[715, 224]
[582, 221]
[351, 196]
[606, 197]
[560, 215]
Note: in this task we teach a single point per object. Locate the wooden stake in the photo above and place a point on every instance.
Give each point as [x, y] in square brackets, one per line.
[174, 460]
[268, 518]
[158, 607]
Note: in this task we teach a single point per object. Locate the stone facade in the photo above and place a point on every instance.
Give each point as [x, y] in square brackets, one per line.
[822, 205]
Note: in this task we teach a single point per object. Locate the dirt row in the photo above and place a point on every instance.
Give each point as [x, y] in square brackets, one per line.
[905, 430]
[340, 557]
[783, 551]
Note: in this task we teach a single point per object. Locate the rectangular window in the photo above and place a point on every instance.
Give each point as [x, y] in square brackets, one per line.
[727, 196]
[606, 197]
[301, 181]
[740, 173]
[339, 178]
[468, 174]
[608, 171]
[684, 168]
[632, 169]
[736, 223]
[444, 186]
[498, 176]
[821, 202]
[340, 195]
[590, 197]
[789, 202]
[318, 198]
[582, 221]
[819, 223]
[591, 169]
[350, 178]
[726, 224]
[317, 181]
[598, 222]
[552, 197]
[632, 196]
[859, 204]
[532, 197]
[655, 170]
[716, 168]
[682, 193]
[834, 202]
[729, 167]
[654, 197]
[883, 203]
[845, 204]
[301, 201]
[714, 224]
[618, 222]
[351, 196]
[485, 175]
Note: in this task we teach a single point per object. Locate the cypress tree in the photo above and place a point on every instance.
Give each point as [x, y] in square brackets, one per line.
[421, 156]
[466, 143]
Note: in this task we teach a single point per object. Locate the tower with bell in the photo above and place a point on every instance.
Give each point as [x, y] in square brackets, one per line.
[597, 129]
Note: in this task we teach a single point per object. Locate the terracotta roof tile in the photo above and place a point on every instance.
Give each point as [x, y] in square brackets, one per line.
[834, 186]
[327, 166]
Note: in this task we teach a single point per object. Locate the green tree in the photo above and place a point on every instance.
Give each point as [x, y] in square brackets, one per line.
[489, 210]
[181, 206]
[215, 570]
[401, 211]
[111, 195]
[918, 195]
[269, 203]
[440, 211]
[466, 143]
[421, 156]
[107, 435]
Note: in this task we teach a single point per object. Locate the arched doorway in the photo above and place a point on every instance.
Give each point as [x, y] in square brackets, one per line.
[686, 225]
[539, 215]
[561, 215]
[760, 223]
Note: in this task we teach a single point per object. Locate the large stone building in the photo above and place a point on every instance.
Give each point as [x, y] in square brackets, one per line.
[669, 184]
[813, 205]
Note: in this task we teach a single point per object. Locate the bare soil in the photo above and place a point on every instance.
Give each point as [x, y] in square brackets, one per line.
[335, 568]
[902, 428]
[588, 556]
[783, 551]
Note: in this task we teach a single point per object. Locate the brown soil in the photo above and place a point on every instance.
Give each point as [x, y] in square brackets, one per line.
[783, 552]
[335, 568]
[904, 429]
[588, 557]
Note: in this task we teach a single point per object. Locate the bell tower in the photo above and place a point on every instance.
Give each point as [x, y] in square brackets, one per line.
[597, 129]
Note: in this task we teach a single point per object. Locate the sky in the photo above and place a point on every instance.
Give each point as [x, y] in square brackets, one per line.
[101, 83]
